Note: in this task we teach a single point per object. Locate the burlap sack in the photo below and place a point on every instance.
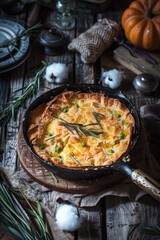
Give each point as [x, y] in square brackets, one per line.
[95, 40]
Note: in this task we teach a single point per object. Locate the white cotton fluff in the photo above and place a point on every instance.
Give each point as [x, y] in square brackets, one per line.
[112, 78]
[67, 218]
[56, 72]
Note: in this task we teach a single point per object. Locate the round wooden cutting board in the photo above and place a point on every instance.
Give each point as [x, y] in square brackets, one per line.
[41, 175]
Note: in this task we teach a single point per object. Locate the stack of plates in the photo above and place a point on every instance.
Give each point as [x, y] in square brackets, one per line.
[15, 53]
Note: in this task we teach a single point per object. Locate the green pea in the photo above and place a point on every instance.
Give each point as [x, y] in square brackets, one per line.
[42, 147]
[118, 115]
[49, 134]
[91, 164]
[83, 144]
[76, 105]
[65, 110]
[125, 123]
[122, 136]
[58, 149]
[110, 151]
[117, 142]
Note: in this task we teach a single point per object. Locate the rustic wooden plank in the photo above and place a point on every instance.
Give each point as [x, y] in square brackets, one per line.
[138, 64]
[66, 58]
[57, 233]
[13, 81]
[35, 62]
[13, 126]
[108, 63]
[10, 82]
[84, 73]
[91, 226]
[122, 215]
[4, 94]
[111, 14]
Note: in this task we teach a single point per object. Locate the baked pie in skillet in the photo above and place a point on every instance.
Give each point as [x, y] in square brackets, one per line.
[79, 129]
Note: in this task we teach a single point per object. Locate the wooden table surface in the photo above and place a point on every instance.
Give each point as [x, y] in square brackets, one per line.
[117, 215]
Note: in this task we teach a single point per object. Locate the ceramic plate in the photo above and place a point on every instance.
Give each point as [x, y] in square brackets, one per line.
[13, 54]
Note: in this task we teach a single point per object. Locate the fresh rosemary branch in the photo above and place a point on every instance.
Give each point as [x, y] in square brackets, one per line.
[74, 159]
[19, 35]
[18, 100]
[81, 128]
[54, 178]
[98, 116]
[52, 137]
[21, 218]
[151, 229]
[131, 230]
[91, 132]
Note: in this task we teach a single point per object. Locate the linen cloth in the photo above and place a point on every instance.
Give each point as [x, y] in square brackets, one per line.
[145, 156]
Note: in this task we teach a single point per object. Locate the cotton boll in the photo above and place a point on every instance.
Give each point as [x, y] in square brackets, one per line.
[67, 217]
[112, 78]
[56, 72]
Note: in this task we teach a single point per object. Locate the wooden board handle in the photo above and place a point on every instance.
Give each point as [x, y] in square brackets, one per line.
[145, 182]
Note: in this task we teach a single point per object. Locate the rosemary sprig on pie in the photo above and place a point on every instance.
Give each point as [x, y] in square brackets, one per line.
[97, 117]
[81, 128]
[74, 159]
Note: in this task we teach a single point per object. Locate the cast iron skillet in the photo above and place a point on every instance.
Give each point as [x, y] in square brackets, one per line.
[136, 175]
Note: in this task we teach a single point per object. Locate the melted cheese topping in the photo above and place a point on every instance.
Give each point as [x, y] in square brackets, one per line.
[81, 129]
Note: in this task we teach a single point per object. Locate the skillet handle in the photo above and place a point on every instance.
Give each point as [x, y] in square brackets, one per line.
[145, 182]
[140, 178]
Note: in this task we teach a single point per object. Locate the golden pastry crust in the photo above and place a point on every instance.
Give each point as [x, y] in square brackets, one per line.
[81, 129]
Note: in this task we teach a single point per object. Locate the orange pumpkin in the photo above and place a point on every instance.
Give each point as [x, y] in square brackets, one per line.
[141, 24]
